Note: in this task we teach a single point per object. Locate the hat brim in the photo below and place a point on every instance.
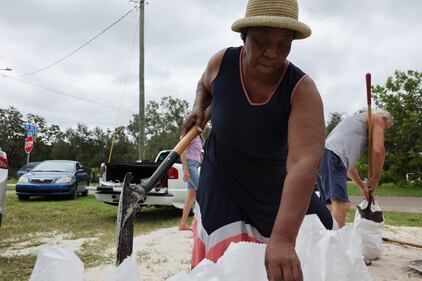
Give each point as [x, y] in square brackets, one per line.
[302, 30]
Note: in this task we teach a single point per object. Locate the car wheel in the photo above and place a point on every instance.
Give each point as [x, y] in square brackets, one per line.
[74, 194]
[23, 197]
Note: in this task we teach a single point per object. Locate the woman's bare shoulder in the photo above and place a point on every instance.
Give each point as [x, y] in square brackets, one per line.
[213, 66]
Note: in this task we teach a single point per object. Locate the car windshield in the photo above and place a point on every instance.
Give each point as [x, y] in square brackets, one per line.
[29, 166]
[55, 166]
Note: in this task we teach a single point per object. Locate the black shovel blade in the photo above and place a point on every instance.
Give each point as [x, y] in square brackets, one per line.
[368, 214]
[126, 213]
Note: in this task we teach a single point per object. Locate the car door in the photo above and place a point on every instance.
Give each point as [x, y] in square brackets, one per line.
[81, 176]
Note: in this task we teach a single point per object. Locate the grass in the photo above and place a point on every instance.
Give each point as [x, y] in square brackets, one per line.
[11, 184]
[29, 221]
[12, 181]
[388, 189]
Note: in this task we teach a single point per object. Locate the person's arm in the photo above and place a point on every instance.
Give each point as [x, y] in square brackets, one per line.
[185, 167]
[354, 175]
[306, 135]
[378, 151]
[203, 93]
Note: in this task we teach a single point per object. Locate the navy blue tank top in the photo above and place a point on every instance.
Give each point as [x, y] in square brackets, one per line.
[244, 167]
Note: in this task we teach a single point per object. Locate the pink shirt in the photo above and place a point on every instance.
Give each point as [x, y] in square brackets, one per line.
[193, 150]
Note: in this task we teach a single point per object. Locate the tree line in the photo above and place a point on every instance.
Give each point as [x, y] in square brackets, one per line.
[91, 146]
[401, 96]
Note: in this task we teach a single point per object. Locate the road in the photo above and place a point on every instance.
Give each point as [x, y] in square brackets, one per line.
[394, 203]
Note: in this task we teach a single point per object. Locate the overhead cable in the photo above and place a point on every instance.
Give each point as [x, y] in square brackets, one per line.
[68, 95]
[77, 49]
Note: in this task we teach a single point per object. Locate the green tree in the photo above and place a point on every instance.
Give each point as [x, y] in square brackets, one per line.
[124, 149]
[334, 119]
[12, 137]
[101, 145]
[90, 147]
[163, 122]
[402, 97]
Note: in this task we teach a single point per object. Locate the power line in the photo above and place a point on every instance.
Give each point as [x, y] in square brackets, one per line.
[127, 72]
[67, 95]
[77, 49]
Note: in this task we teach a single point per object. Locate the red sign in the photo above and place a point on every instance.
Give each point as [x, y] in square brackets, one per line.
[29, 144]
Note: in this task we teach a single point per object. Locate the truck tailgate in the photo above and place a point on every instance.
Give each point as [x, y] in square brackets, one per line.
[116, 172]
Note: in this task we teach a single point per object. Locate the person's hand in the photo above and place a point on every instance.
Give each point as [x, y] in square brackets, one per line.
[372, 185]
[195, 118]
[185, 177]
[281, 261]
[364, 191]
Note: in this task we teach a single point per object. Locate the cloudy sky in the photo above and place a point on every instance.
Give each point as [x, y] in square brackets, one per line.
[98, 84]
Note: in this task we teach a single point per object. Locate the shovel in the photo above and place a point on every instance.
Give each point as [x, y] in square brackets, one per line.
[367, 213]
[133, 195]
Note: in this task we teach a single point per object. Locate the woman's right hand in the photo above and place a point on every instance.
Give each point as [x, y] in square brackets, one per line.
[281, 261]
[195, 118]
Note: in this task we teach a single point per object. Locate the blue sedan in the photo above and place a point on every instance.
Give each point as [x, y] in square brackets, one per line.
[54, 177]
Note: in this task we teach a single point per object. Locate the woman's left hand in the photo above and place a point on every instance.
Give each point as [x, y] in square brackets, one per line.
[281, 261]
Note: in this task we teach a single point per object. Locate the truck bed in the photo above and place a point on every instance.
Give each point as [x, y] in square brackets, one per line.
[170, 191]
[116, 171]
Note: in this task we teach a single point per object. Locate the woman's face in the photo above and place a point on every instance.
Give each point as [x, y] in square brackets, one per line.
[267, 48]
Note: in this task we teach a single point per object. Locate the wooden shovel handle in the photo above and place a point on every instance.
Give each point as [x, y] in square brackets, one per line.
[191, 134]
[369, 101]
[401, 242]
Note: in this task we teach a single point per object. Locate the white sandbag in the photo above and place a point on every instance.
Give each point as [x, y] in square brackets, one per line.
[206, 270]
[328, 255]
[243, 261]
[324, 255]
[369, 232]
[126, 271]
[57, 264]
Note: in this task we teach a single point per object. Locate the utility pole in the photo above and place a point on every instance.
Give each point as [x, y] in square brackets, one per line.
[141, 82]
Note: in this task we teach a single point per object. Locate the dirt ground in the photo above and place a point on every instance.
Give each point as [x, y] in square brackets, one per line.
[165, 252]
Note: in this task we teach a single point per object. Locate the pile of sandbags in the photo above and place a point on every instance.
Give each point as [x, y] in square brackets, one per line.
[325, 256]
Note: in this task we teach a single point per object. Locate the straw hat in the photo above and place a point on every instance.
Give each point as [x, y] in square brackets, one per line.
[273, 13]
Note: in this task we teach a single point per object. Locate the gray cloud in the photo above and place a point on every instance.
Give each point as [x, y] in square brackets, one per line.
[349, 39]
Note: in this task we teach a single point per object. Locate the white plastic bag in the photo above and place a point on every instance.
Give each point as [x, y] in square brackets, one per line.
[126, 271]
[57, 264]
[369, 232]
[60, 264]
[329, 255]
[324, 255]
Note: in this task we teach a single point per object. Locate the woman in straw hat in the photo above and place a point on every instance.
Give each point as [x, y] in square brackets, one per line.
[267, 139]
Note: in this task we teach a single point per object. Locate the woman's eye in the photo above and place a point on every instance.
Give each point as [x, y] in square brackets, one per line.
[282, 47]
[259, 43]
